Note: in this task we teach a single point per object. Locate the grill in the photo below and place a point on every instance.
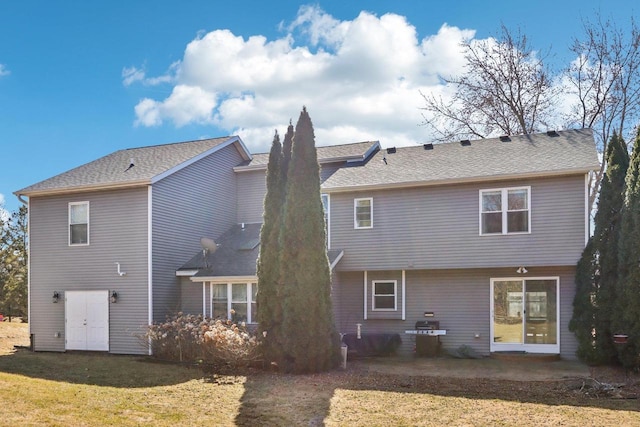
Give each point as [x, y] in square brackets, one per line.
[427, 325]
[427, 340]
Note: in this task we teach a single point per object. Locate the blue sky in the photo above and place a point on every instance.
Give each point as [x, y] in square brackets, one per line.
[79, 80]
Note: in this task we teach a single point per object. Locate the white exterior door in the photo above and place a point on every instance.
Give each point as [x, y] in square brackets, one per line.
[87, 320]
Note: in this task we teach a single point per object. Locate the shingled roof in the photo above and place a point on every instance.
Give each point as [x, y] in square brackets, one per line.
[354, 152]
[543, 154]
[149, 165]
[236, 256]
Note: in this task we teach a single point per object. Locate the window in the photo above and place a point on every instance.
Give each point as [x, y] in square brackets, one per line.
[385, 295]
[219, 302]
[234, 301]
[363, 213]
[505, 210]
[79, 223]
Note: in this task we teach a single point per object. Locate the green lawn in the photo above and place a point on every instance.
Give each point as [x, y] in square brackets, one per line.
[97, 389]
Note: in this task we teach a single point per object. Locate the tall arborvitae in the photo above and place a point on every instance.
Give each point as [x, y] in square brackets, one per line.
[286, 149]
[311, 344]
[269, 299]
[597, 271]
[627, 315]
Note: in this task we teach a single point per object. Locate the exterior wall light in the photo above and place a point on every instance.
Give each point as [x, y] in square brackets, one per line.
[56, 296]
[114, 297]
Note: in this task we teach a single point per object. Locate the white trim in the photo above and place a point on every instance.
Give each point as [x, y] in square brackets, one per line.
[246, 155]
[204, 298]
[374, 295]
[86, 202]
[452, 181]
[530, 348]
[225, 279]
[150, 257]
[586, 209]
[185, 273]
[328, 218]
[366, 302]
[336, 261]
[29, 294]
[355, 217]
[404, 298]
[504, 209]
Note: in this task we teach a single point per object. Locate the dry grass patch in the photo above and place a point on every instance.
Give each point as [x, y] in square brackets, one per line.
[98, 389]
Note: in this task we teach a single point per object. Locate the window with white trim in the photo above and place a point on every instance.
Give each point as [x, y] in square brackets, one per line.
[363, 212]
[385, 295]
[234, 301]
[505, 210]
[78, 223]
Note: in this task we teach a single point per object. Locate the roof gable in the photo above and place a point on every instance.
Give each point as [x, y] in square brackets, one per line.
[133, 166]
[355, 152]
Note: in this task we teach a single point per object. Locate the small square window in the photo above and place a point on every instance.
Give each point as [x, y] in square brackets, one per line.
[363, 213]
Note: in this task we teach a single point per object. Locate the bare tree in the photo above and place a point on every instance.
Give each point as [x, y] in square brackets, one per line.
[605, 81]
[505, 90]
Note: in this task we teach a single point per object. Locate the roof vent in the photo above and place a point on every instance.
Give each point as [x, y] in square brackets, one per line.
[552, 133]
[428, 146]
[132, 163]
[391, 150]
[505, 138]
[465, 143]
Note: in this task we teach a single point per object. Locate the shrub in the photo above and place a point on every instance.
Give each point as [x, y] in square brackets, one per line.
[194, 338]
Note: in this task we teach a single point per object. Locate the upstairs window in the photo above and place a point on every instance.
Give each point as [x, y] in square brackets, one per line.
[385, 295]
[363, 213]
[79, 223]
[505, 210]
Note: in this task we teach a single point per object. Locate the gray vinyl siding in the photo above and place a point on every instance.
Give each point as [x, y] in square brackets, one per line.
[197, 201]
[438, 227]
[252, 186]
[459, 299]
[190, 296]
[118, 233]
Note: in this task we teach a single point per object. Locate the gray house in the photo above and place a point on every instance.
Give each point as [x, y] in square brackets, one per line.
[480, 236]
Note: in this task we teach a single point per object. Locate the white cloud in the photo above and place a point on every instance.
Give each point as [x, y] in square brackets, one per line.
[360, 79]
[4, 71]
[4, 214]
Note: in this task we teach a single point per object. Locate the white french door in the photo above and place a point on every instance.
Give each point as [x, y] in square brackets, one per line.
[87, 320]
[525, 314]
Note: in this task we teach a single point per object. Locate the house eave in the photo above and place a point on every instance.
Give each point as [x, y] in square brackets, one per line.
[185, 273]
[83, 189]
[225, 279]
[439, 182]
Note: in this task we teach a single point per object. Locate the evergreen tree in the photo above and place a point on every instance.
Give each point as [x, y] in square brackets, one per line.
[627, 315]
[311, 343]
[597, 271]
[269, 299]
[13, 265]
[286, 149]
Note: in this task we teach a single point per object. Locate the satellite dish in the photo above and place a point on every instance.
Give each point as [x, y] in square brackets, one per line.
[208, 244]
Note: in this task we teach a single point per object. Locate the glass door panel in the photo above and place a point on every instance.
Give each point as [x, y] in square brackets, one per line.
[541, 305]
[508, 312]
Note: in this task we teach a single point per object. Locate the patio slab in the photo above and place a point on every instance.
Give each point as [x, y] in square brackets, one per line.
[524, 370]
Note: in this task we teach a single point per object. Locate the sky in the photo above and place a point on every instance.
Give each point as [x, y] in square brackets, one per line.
[79, 80]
